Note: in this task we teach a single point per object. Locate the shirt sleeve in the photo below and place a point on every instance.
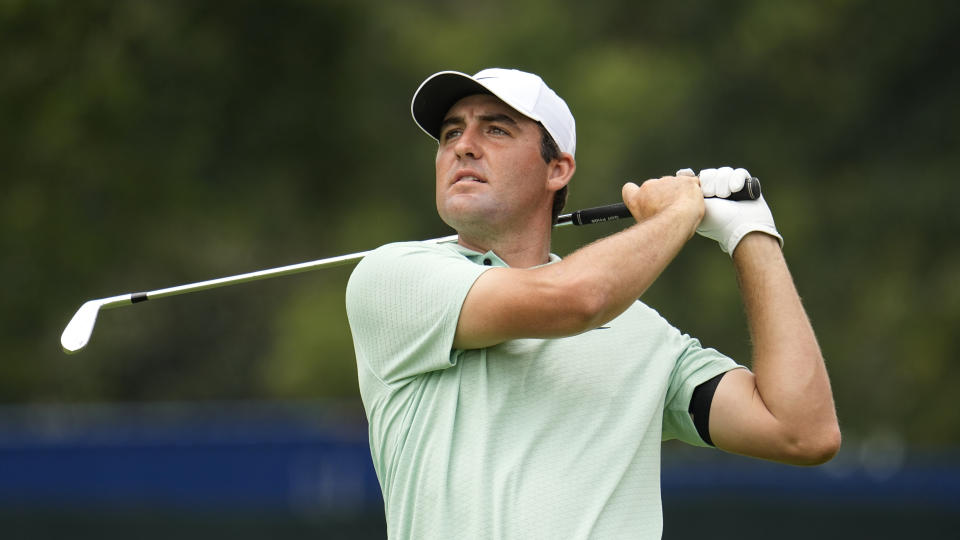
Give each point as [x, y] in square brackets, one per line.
[403, 304]
[694, 366]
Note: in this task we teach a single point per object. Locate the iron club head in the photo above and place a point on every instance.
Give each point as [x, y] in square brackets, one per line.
[77, 333]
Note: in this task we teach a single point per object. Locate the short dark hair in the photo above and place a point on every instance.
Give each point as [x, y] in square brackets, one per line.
[549, 151]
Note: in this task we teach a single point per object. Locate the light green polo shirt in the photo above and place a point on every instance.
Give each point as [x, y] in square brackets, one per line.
[531, 438]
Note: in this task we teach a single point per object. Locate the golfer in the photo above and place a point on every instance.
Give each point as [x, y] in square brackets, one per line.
[512, 394]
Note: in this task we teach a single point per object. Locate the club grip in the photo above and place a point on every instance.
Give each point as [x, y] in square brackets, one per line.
[599, 214]
[750, 191]
[611, 212]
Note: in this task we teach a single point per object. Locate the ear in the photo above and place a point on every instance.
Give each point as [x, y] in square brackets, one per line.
[560, 171]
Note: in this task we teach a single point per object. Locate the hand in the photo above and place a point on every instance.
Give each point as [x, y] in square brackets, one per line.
[725, 221]
[655, 196]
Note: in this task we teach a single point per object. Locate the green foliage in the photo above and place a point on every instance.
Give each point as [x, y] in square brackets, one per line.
[150, 143]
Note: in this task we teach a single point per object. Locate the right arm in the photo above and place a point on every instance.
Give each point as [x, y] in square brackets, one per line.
[592, 285]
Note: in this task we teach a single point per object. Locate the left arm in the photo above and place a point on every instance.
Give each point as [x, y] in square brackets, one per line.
[784, 410]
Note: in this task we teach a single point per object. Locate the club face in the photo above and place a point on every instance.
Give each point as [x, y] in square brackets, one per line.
[77, 333]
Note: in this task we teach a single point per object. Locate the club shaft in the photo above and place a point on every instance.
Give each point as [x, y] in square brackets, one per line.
[288, 270]
[597, 215]
[330, 262]
[613, 212]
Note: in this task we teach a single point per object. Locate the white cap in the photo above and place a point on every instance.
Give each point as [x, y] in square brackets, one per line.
[525, 92]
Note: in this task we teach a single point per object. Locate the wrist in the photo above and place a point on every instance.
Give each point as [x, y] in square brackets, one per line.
[682, 220]
[756, 245]
[688, 212]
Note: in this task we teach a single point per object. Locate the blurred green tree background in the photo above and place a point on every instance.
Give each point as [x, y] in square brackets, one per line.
[152, 143]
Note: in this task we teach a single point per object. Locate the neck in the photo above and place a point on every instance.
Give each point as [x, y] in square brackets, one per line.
[518, 246]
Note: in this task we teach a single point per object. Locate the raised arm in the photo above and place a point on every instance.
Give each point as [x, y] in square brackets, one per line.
[784, 409]
[592, 285]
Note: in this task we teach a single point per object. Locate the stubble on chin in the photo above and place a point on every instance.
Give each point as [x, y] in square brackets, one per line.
[469, 215]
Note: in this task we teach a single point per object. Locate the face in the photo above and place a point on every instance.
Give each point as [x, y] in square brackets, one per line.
[489, 171]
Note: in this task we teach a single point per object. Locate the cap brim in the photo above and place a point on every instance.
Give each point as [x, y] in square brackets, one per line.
[437, 94]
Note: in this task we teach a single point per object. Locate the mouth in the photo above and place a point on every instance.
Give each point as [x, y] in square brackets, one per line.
[468, 177]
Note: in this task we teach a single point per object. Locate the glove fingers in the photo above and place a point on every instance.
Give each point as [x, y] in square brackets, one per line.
[722, 185]
[708, 181]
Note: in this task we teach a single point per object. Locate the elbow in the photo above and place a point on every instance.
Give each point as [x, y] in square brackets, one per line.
[588, 308]
[580, 301]
[815, 448]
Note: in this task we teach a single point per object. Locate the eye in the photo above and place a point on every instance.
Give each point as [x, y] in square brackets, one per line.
[497, 130]
[450, 134]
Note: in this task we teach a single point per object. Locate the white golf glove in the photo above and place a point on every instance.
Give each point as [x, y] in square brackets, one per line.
[725, 221]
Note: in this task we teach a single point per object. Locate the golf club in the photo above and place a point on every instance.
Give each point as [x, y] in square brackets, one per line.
[78, 331]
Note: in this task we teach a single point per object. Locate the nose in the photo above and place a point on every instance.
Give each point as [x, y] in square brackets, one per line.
[467, 144]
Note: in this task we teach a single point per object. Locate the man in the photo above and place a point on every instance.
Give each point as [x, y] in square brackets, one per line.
[511, 394]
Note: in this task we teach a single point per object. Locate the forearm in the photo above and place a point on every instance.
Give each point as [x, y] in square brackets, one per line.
[614, 271]
[591, 286]
[790, 374]
[585, 290]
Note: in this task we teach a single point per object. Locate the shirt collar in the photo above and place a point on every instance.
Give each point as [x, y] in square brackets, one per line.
[489, 258]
